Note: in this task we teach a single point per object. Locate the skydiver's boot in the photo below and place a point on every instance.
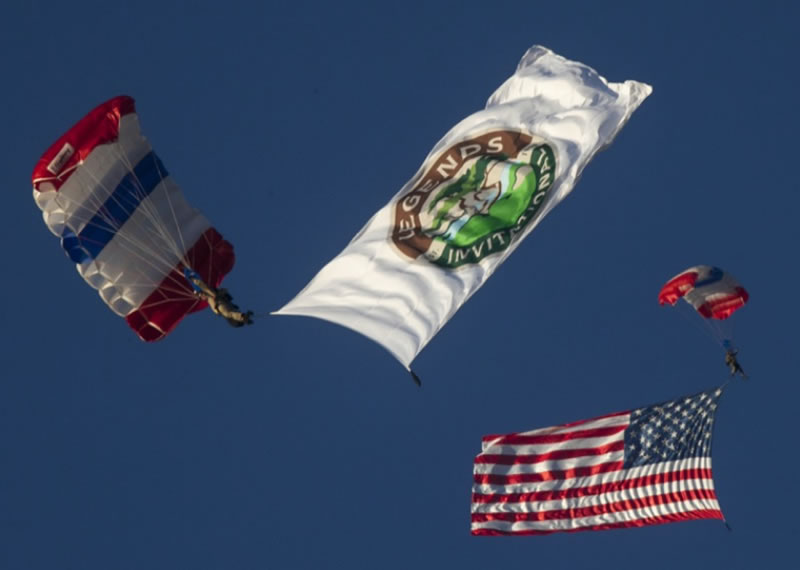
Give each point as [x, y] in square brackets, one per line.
[234, 316]
[736, 367]
[239, 319]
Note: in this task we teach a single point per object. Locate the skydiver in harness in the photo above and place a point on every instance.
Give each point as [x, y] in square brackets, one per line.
[220, 301]
[733, 364]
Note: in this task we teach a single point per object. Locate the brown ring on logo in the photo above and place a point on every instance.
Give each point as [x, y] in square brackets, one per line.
[407, 234]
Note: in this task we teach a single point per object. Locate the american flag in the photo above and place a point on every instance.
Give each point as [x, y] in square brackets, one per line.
[646, 466]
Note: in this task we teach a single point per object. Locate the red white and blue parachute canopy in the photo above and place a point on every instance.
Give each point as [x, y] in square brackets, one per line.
[125, 223]
[714, 293]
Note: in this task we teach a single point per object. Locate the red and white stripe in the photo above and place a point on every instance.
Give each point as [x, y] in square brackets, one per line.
[571, 478]
[718, 300]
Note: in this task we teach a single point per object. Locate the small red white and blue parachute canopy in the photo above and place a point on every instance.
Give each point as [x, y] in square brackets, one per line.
[124, 221]
[714, 293]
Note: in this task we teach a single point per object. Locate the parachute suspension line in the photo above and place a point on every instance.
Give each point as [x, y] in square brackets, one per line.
[182, 252]
[174, 216]
[160, 234]
[100, 210]
[720, 331]
[687, 312]
[152, 213]
[262, 315]
[154, 258]
[157, 230]
[728, 338]
[715, 329]
[167, 265]
[123, 236]
[165, 302]
[110, 221]
[723, 331]
[211, 259]
[159, 224]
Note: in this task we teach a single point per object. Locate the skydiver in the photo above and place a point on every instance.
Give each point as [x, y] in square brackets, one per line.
[733, 364]
[219, 300]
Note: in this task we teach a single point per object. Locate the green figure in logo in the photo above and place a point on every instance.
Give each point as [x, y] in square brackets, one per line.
[491, 195]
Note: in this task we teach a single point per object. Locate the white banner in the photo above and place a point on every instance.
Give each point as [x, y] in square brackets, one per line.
[480, 191]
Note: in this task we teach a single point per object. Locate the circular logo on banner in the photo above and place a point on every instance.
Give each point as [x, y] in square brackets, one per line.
[475, 198]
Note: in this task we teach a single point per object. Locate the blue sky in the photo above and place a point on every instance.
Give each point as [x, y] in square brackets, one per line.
[299, 444]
